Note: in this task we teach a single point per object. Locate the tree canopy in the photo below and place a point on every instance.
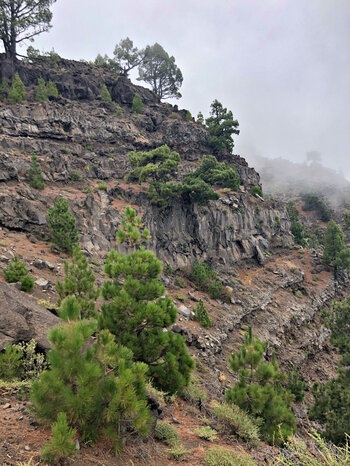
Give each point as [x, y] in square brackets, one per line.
[127, 56]
[22, 20]
[160, 71]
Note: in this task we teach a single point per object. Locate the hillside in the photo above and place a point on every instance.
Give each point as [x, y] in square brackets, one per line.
[82, 144]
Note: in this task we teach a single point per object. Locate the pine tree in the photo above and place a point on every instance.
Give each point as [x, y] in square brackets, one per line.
[131, 229]
[220, 126]
[259, 390]
[136, 312]
[4, 90]
[51, 89]
[79, 282]
[94, 382]
[17, 272]
[17, 92]
[40, 91]
[105, 95]
[61, 445]
[64, 233]
[137, 104]
[36, 179]
[333, 243]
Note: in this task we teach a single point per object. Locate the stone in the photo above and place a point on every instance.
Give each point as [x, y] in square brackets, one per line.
[22, 319]
[184, 311]
[43, 283]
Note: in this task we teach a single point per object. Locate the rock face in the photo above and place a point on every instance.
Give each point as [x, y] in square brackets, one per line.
[79, 137]
[22, 319]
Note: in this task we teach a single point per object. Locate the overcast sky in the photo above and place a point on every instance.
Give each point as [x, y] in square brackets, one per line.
[281, 66]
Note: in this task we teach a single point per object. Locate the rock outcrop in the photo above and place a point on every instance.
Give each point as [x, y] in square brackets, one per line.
[22, 319]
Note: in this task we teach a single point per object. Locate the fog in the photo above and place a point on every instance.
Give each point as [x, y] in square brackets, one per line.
[281, 66]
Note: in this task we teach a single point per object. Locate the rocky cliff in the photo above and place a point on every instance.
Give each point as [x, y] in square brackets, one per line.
[80, 140]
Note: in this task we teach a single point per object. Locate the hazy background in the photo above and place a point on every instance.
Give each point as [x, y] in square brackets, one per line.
[281, 66]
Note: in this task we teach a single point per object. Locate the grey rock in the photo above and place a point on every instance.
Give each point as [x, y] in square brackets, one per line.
[43, 283]
[184, 311]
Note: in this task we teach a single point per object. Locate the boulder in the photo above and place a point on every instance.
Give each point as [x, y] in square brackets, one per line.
[22, 319]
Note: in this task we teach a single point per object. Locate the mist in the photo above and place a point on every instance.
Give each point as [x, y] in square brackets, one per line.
[281, 66]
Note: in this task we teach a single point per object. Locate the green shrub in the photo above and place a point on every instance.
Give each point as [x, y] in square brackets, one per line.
[217, 173]
[17, 93]
[195, 190]
[204, 277]
[166, 433]
[75, 175]
[137, 104]
[11, 363]
[178, 452]
[257, 190]
[206, 433]
[180, 282]
[298, 452]
[62, 224]
[218, 456]
[314, 202]
[94, 381]
[36, 179]
[237, 422]
[259, 390]
[188, 116]
[61, 445]
[221, 126]
[105, 95]
[297, 228]
[33, 363]
[66, 150]
[119, 111]
[102, 186]
[201, 314]
[17, 272]
[51, 89]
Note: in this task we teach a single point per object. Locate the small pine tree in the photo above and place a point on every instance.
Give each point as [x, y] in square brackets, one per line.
[17, 272]
[64, 233]
[137, 104]
[40, 91]
[188, 116]
[105, 95]
[259, 390]
[201, 314]
[36, 179]
[17, 92]
[51, 89]
[200, 119]
[136, 312]
[94, 381]
[61, 445]
[333, 243]
[79, 282]
[131, 231]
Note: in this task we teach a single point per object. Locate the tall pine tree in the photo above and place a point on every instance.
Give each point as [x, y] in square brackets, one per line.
[136, 312]
[64, 233]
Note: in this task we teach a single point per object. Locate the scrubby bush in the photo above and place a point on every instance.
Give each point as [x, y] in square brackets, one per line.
[17, 93]
[61, 445]
[218, 456]
[295, 385]
[51, 89]
[79, 282]
[93, 381]
[62, 224]
[206, 433]
[297, 228]
[105, 95]
[256, 190]
[188, 116]
[4, 90]
[17, 272]
[204, 277]
[201, 314]
[260, 392]
[197, 191]
[166, 433]
[333, 243]
[35, 175]
[193, 393]
[314, 202]
[215, 173]
[11, 363]
[40, 91]
[178, 452]
[21, 362]
[137, 104]
[235, 421]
